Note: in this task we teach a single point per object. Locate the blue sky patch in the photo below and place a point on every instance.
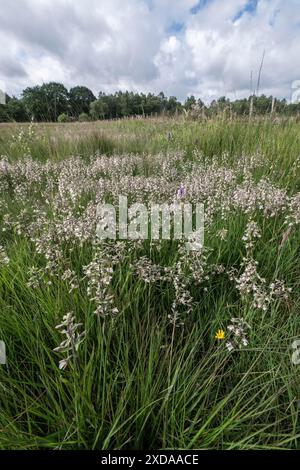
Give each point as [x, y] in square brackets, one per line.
[201, 4]
[176, 27]
[250, 7]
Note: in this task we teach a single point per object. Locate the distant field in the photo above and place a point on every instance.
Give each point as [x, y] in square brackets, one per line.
[116, 344]
[278, 139]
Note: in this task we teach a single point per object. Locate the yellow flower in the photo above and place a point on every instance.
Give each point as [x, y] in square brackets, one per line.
[220, 334]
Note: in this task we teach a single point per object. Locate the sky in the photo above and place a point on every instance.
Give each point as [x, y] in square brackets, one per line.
[208, 48]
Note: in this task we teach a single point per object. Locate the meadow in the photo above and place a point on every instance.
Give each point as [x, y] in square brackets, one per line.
[139, 344]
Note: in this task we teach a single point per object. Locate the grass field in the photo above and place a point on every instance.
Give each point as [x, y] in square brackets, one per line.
[111, 344]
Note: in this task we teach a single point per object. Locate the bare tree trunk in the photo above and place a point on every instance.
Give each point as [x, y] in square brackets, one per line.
[251, 107]
[273, 105]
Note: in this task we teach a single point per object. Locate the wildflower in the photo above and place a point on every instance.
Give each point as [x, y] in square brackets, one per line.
[99, 274]
[238, 329]
[71, 330]
[252, 232]
[4, 259]
[181, 192]
[63, 363]
[71, 277]
[229, 346]
[183, 300]
[148, 271]
[278, 290]
[222, 234]
[220, 334]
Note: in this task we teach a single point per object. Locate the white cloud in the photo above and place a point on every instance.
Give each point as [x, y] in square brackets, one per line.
[151, 45]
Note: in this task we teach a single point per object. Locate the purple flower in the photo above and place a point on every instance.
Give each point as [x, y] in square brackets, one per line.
[181, 192]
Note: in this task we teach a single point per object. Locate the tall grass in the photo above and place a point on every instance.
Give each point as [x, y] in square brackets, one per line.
[140, 382]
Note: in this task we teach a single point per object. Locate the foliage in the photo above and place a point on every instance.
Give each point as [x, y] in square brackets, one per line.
[80, 98]
[63, 118]
[84, 117]
[48, 101]
[13, 110]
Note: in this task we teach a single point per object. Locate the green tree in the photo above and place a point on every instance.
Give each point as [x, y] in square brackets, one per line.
[80, 98]
[46, 102]
[173, 105]
[34, 102]
[190, 102]
[99, 109]
[56, 97]
[16, 110]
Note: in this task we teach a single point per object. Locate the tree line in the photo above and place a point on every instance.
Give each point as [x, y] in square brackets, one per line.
[53, 102]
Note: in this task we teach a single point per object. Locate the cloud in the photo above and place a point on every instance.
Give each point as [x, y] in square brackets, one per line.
[207, 48]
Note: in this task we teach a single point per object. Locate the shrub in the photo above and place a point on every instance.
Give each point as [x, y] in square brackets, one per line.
[84, 117]
[63, 118]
